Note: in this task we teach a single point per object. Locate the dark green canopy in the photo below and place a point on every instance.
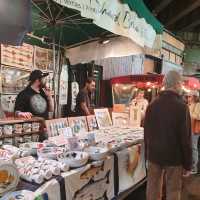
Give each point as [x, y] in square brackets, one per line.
[141, 9]
[68, 27]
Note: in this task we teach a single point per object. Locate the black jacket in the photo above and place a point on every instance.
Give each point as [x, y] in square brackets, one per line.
[167, 131]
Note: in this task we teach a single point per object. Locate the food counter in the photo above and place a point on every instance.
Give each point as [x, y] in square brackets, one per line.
[101, 170]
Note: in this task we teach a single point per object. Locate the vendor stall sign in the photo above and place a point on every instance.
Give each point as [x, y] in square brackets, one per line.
[18, 56]
[116, 18]
[103, 118]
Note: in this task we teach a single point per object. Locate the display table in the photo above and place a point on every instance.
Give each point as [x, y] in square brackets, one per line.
[102, 180]
[122, 170]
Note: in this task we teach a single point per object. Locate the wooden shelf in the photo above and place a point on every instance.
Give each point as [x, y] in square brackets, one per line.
[10, 121]
[19, 135]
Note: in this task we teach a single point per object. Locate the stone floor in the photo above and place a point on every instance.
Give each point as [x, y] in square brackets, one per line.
[191, 190]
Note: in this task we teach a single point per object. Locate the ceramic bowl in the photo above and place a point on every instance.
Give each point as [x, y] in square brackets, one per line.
[97, 153]
[74, 159]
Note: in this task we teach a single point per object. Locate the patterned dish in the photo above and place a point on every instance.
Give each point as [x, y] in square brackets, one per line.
[74, 158]
[49, 152]
[23, 195]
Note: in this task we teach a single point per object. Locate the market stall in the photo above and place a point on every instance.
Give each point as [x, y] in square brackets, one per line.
[125, 88]
[75, 163]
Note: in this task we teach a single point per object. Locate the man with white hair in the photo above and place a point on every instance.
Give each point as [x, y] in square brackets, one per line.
[167, 131]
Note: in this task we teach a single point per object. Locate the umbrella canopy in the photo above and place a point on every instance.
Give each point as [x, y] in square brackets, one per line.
[68, 27]
[51, 20]
[141, 9]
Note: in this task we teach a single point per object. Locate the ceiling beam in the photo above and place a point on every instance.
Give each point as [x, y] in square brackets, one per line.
[161, 6]
[186, 11]
[193, 25]
[188, 23]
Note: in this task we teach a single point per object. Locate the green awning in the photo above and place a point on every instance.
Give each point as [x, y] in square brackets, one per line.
[141, 9]
[68, 27]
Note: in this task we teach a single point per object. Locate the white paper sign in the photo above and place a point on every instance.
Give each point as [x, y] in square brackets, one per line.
[116, 18]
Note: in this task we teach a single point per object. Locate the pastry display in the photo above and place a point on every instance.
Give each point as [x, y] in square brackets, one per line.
[74, 158]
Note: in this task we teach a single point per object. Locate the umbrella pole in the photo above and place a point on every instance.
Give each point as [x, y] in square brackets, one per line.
[54, 76]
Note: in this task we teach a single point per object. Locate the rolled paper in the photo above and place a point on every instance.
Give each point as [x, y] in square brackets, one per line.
[46, 173]
[55, 171]
[64, 167]
[28, 175]
[38, 178]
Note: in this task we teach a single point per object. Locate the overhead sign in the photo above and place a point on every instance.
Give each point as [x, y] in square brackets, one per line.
[115, 17]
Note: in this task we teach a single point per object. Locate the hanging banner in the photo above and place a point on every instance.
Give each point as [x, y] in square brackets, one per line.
[63, 89]
[115, 17]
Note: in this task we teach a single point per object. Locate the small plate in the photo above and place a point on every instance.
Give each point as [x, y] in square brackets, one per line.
[23, 195]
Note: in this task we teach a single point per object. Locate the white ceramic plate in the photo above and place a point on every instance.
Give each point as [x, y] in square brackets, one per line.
[74, 158]
[19, 195]
[97, 153]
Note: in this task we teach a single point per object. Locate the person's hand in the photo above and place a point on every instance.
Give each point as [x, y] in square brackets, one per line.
[26, 115]
[48, 92]
[186, 173]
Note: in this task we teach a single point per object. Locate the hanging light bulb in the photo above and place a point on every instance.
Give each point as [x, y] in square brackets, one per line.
[149, 90]
[148, 83]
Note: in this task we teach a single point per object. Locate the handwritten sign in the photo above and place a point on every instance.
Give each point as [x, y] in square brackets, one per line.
[116, 18]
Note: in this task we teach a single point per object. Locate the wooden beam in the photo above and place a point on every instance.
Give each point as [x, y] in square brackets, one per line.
[191, 26]
[184, 12]
[189, 22]
[161, 6]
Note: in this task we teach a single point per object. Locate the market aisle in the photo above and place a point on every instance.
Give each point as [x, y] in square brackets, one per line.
[191, 190]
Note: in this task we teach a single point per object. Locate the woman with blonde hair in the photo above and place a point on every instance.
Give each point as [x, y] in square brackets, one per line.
[194, 105]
